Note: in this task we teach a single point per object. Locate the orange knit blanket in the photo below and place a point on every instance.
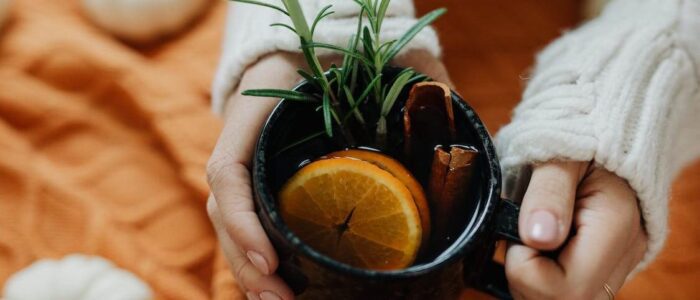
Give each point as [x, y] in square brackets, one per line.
[103, 148]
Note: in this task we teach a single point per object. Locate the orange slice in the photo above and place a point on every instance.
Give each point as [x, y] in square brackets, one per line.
[401, 173]
[354, 212]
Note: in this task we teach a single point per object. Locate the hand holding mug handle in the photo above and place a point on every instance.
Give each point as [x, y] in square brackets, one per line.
[608, 242]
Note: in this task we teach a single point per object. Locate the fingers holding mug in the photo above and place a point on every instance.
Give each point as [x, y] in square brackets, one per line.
[626, 265]
[256, 284]
[231, 188]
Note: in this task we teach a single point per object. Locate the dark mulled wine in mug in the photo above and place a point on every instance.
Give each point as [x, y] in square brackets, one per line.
[458, 241]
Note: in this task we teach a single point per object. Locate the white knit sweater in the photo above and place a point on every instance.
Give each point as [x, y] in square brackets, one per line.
[622, 90]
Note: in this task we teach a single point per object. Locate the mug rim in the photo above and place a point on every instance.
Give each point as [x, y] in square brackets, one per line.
[464, 242]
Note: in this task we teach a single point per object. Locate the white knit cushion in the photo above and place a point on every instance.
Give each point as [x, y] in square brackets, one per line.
[142, 21]
[75, 277]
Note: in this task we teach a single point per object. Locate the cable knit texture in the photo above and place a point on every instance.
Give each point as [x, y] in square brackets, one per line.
[248, 36]
[622, 91]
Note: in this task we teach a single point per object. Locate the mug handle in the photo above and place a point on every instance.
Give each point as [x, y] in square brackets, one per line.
[493, 280]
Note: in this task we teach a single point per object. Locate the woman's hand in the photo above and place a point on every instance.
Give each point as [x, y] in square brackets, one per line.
[247, 249]
[249, 252]
[608, 243]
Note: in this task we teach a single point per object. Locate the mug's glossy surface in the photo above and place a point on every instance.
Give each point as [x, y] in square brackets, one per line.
[314, 275]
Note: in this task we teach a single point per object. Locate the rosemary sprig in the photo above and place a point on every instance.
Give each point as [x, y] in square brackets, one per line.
[342, 93]
[286, 94]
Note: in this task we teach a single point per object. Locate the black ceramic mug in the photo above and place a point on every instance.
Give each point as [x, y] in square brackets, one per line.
[467, 261]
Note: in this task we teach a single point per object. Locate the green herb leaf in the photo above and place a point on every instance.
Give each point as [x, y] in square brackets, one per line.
[321, 14]
[299, 142]
[367, 42]
[335, 117]
[381, 12]
[367, 8]
[386, 46]
[347, 61]
[368, 88]
[332, 81]
[354, 105]
[363, 97]
[297, 15]
[283, 25]
[339, 76]
[307, 76]
[312, 61]
[284, 94]
[353, 74]
[327, 114]
[339, 49]
[263, 4]
[417, 78]
[395, 89]
[412, 32]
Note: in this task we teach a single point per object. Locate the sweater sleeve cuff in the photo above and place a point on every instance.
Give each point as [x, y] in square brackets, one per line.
[619, 91]
[249, 37]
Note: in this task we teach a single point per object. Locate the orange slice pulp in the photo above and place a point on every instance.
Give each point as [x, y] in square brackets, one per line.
[401, 173]
[354, 212]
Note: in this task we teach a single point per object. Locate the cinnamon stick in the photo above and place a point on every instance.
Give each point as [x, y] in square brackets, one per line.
[450, 178]
[428, 121]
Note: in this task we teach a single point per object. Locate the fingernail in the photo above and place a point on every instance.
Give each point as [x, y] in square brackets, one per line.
[543, 226]
[267, 295]
[252, 296]
[259, 262]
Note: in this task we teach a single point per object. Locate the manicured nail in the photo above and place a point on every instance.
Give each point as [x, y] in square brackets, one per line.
[259, 262]
[252, 296]
[267, 295]
[543, 226]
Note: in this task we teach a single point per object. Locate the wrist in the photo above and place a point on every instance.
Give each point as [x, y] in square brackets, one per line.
[276, 70]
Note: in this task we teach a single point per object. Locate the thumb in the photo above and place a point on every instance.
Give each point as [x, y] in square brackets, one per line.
[548, 204]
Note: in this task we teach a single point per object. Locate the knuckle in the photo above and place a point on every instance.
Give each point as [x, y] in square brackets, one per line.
[241, 200]
[238, 272]
[550, 189]
[216, 169]
[237, 224]
[248, 276]
[549, 194]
